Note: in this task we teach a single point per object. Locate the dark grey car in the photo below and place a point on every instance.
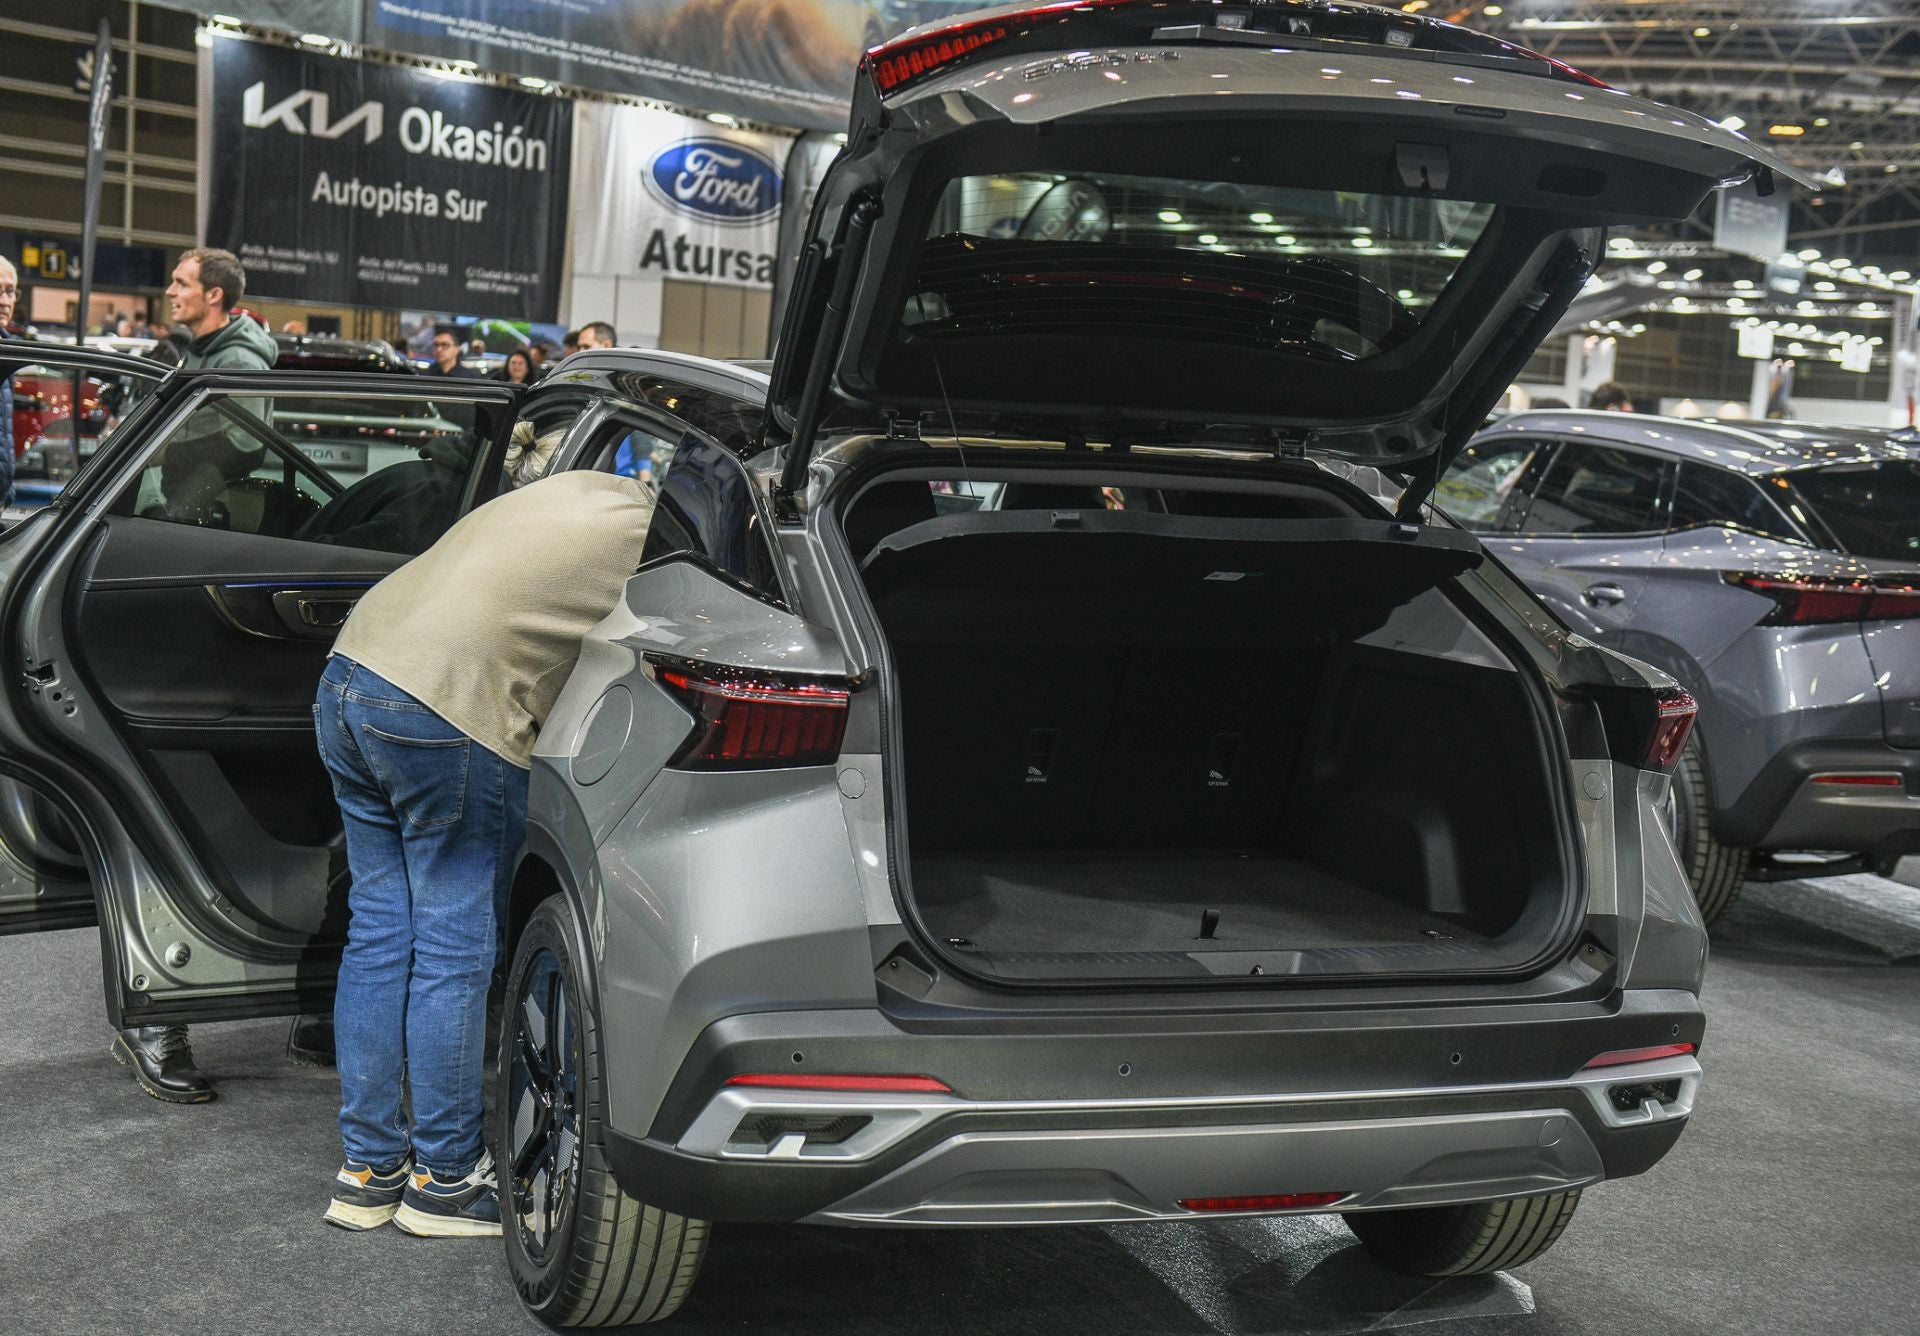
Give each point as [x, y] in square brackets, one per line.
[1773, 569]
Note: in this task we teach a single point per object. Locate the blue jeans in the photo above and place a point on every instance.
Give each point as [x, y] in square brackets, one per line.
[433, 823]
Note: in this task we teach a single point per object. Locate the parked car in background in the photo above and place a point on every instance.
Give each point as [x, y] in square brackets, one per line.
[1773, 569]
[314, 352]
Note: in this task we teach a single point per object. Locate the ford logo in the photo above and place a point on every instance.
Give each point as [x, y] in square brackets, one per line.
[716, 179]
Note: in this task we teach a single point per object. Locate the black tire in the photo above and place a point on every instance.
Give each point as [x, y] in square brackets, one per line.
[1715, 871]
[583, 1253]
[1465, 1240]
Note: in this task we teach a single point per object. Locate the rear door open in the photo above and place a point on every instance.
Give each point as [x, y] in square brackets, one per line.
[1306, 228]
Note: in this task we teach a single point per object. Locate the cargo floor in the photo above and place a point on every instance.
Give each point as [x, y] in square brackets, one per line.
[1108, 901]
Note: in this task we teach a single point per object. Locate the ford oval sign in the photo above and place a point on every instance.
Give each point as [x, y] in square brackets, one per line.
[717, 179]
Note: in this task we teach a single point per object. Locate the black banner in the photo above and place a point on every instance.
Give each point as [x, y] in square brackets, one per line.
[346, 182]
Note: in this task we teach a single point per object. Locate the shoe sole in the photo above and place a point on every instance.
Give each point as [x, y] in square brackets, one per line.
[421, 1224]
[124, 1056]
[348, 1216]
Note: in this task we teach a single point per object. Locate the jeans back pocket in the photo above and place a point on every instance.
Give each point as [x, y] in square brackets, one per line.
[425, 775]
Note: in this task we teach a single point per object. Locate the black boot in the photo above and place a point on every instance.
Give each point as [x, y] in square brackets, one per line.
[162, 1063]
[310, 1041]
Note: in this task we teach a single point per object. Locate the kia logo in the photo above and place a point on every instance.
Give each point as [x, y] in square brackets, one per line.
[716, 179]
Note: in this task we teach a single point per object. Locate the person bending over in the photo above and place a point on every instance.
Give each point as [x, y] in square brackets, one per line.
[426, 717]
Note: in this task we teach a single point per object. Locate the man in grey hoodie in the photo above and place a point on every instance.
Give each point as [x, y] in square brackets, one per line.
[207, 283]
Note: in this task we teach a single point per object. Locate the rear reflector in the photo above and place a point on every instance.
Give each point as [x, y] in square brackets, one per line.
[1620, 1057]
[1864, 781]
[871, 1085]
[1284, 1201]
[1808, 601]
[754, 721]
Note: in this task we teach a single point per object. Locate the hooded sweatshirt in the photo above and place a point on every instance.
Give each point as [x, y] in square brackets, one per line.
[238, 345]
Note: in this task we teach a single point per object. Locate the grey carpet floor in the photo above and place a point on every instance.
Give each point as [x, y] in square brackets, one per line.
[1791, 1206]
[1153, 901]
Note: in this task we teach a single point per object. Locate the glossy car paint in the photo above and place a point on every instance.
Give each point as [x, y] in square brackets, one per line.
[1764, 691]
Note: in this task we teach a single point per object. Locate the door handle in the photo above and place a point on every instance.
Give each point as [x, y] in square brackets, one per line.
[1602, 595]
[325, 613]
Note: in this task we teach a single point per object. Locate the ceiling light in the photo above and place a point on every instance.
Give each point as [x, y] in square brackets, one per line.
[1284, 240]
[1893, 167]
[1787, 130]
[1493, 11]
[1736, 303]
[315, 39]
[1361, 243]
[227, 19]
[1744, 284]
[1856, 145]
[1621, 243]
[1900, 275]
[1733, 123]
[1703, 32]
[1840, 262]
[721, 118]
[1405, 294]
[1262, 217]
[1692, 275]
[1823, 286]
[1810, 254]
[1208, 239]
[532, 81]
[1821, 122]
[1657, 267]
[1169, 215]
[1869, 308]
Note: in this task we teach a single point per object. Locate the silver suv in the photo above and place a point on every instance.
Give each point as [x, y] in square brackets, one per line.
[1202, 831]
[1773, 568]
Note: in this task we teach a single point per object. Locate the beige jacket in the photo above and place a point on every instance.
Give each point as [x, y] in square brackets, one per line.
[484, 627]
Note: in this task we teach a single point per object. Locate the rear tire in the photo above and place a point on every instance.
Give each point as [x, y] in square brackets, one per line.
[1715, 871]
[1465, 1240]
[582, 1252]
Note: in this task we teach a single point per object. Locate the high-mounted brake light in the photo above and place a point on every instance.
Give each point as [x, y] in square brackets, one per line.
[1620, 1057]
[871, 1085]
[1067, 26]
[1279, 1201]
[1801, 600]
[754, 721]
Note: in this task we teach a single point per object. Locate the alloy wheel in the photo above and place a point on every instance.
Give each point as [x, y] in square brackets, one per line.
[543, 1106]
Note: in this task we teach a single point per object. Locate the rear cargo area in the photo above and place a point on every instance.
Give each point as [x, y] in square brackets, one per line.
[1145, 746]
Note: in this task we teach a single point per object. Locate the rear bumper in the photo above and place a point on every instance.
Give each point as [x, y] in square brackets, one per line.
[990, 1159]
[1789, 806]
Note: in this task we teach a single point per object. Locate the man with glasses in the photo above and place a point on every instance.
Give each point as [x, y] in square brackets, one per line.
[446, 357]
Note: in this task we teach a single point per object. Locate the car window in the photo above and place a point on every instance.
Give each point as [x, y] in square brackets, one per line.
[705, 508]
[1597, 489]
[732, 420]
[45, 455]
[1481, 482]
[1873, 509]
[1708, 497]
[372, 471]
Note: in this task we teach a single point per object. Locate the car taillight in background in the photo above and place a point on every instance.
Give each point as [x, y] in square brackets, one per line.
[746, 720]
[1646, 727]
[1085, 25]
[1801, 600]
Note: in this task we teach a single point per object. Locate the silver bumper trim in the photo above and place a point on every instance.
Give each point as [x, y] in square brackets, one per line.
[893, 1118]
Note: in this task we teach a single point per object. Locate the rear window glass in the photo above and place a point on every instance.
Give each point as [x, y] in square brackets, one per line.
[1592, 490]
[1708, 497]
[1873, 509]
[1333, 274]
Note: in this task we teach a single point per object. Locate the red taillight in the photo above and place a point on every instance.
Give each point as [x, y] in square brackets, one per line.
[1620, 1057]
[747, 720]
[1809, 601]
[1674, 712]
[1282, 1201]
[1864, 781]
[871, 1085]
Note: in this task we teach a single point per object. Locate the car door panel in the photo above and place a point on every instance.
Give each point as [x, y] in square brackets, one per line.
[171, 669]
